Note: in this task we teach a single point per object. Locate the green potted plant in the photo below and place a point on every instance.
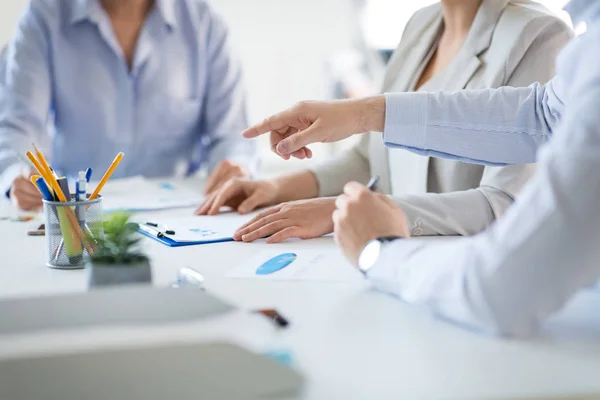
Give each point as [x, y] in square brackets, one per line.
[118, 259]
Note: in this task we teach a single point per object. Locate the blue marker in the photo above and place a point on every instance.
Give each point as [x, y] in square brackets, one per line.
[276, 263]
[88, 175]
[44, 189]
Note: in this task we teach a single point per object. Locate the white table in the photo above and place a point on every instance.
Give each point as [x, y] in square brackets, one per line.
[352, 342]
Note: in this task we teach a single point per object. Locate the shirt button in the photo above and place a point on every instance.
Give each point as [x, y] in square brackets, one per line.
[417, 231]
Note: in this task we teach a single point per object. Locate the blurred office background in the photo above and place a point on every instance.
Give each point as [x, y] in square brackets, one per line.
[303, 49]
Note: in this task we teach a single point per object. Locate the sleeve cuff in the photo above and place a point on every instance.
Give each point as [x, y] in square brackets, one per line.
[8, 176]
[414, 219]
[389, 272]
[405, 120]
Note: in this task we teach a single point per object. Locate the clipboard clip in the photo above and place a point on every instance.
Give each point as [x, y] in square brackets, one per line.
[152, 229]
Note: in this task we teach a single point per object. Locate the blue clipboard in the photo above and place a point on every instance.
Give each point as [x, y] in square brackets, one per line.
[172, 243]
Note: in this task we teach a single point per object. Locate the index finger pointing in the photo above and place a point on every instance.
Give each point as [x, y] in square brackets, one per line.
[277, 122]
[272, 123]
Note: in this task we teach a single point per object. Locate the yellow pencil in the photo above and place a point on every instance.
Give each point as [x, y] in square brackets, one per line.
[33, 179]
[49, 177]
[38, 167]
[107, 175]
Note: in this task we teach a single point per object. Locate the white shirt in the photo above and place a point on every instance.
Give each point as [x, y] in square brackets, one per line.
[508, 279]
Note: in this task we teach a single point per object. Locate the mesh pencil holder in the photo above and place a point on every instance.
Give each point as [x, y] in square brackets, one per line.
[70, 230]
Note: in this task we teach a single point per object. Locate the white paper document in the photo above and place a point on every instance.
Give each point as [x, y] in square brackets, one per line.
[194, 229]
[141, 194]
[309, 265]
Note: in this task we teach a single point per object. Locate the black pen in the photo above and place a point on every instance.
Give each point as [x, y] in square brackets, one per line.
[274, 316]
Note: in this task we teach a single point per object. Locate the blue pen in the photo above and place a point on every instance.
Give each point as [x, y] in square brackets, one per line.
[41, 184]
[88, 175]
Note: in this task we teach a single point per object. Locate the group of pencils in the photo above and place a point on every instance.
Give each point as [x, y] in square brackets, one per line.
[56, 189]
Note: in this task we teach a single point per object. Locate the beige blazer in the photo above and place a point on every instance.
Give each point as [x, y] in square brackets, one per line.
[511, 43]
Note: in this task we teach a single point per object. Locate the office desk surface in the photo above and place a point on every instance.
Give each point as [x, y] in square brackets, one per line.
[352, 342]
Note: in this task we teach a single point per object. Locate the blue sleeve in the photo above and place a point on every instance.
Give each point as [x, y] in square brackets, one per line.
[225, 111]
[492, 126]
[25, 93]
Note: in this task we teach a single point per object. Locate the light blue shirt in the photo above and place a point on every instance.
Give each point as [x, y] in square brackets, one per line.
[182, 104]
[546, 248]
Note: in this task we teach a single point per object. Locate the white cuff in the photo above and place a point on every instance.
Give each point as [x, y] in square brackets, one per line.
[389, 272]
[9, 175]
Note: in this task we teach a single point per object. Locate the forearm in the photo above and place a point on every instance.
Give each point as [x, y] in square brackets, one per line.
[25, 93]
[493, 126]
[8, 176]
[297, 186]
[466, 212]
[462, 213]
[14, 144]
[505, 281]
[225, 113]
[527, 265]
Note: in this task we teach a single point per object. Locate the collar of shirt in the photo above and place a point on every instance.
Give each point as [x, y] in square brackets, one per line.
[90, 10]
[582, 10]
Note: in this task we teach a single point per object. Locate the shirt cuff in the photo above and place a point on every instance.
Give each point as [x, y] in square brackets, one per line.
[389, 272]
[8, 176]
[414, 219]
[405, 120]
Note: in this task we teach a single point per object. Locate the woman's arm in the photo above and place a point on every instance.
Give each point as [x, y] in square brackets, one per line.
[224, 114]
[25, 93]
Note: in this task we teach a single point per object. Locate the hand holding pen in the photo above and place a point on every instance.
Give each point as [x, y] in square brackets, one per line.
[362, 215]
[23, 195]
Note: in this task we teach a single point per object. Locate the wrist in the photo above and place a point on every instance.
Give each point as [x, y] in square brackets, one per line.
[371, 252]
[277, 186]
[300, 186]
[372, 113]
